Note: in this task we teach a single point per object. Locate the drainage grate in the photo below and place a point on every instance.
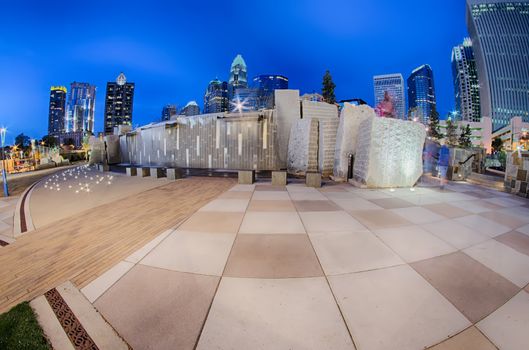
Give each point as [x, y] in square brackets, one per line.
[74, 329]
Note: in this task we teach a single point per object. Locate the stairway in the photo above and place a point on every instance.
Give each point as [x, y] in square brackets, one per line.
[489, 181]
[71, 322]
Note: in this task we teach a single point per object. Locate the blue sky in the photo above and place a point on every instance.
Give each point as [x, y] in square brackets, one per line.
[172, 49]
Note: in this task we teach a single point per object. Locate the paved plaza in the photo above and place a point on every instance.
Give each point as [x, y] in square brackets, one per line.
[264, 267]
[209, 264]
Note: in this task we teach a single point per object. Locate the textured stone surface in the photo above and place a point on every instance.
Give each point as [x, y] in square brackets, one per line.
[288, 112]
[246, 177]
[313, 179]
[157, 173]
[327, 116]
[389, 152]
[174, 173]
[113, 146]
[350, 118]
[303, 147]
[132, 171]
[279, 178]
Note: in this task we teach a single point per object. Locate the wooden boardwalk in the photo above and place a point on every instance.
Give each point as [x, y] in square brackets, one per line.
[82, 247]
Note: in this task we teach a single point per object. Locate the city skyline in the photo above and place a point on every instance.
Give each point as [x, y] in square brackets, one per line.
[178, 70]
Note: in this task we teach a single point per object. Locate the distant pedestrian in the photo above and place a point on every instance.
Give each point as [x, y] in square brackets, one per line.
[442, 164]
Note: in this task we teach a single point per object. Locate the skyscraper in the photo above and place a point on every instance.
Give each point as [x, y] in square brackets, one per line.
[168, 111]
[499, 30]
[466, 85]
[393, 84]
[421, 93]
[266, 85]
[57, 110]
[191, 108]
[216, 97]
[118, 103]
[80, 108]
[244, 100]
[238, 76]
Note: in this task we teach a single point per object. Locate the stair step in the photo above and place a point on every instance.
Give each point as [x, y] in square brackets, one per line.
[71, 322]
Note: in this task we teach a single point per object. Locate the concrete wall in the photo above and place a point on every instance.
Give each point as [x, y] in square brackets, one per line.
[218, 141]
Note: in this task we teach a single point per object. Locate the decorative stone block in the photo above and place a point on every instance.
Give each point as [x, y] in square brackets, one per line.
[350, 118]
[389, 152]
[246, 177]
[157, 173]
[303, 147]
[112, 149]
[132, 171]
[279, 178]
[522, 175]
[143, 172]
[103, 167]
[174, 173]
[313, 179]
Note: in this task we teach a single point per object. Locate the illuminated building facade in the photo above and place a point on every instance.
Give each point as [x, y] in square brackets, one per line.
[190, 109]
[393, 84]
[238, 76]
[421, 94]
[499, 30]
[466, 84]
[266, 84]
[57, 110]
[168, 111]
[118, 103]
[216, 97]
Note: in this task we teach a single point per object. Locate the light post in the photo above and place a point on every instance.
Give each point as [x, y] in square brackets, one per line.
[4, 172]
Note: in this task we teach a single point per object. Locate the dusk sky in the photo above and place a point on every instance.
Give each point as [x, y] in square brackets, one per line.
[172, 49]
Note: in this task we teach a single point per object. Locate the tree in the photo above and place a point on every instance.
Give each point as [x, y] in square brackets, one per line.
[433, 125]
[327, 89]
[49, 141]
[497, 145]
[464, 137]
[22, 140]
[451, 133]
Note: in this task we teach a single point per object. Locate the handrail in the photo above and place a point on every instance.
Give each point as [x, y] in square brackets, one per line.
[466, 160]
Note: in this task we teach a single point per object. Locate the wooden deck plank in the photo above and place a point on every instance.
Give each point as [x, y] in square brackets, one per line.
[84, 246]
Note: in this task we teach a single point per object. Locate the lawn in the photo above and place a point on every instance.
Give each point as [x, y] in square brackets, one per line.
[19, 330]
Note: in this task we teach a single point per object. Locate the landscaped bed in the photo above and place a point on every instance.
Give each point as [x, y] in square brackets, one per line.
[19, 329]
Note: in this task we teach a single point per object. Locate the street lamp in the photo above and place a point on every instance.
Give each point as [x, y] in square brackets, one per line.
[4, 175]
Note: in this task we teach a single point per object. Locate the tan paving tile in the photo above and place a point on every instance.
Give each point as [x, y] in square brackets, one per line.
[476, 206]
[395, 308]
[473, 288]
[213, 222]
[356, 203]
[413, 243]
[271, 205]
[242, 188]
[270, 188]
[316, 206]
[378, 219]
[507, 327]
[455, 233]
[296, 313]
[502, 259]
[391, 203]
[470, 339]
[273, 256]
[505, 219]
[307, 196]
[418, 215]
[447, 210]
[331, 221]
[236, 195]
[271, 222]
[158, 309]
[480, 194]
[483, 225]
[226, 205]
[195, 252]
[516, 240]
[346, 252]
[270, 195]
